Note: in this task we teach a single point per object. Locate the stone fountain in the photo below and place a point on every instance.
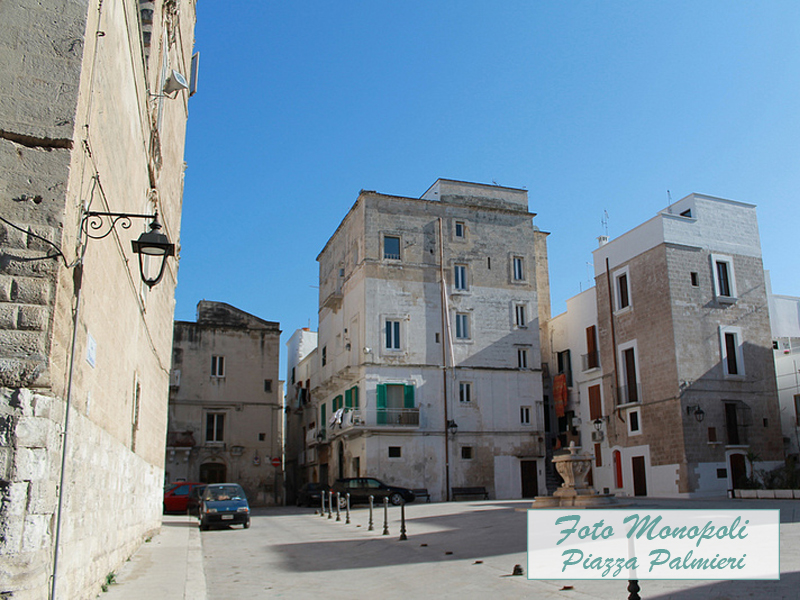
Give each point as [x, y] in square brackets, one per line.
[573, 468]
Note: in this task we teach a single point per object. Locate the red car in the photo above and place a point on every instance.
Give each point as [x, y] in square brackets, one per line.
[177, 494]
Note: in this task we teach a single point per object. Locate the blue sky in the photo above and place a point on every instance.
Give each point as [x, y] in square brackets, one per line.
[591, 106]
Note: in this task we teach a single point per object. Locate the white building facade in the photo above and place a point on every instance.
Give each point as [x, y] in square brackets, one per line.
[429, 362]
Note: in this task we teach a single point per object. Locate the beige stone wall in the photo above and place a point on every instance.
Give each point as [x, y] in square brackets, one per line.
[80, 129]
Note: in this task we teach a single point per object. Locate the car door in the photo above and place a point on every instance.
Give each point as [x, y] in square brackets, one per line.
[373, 487]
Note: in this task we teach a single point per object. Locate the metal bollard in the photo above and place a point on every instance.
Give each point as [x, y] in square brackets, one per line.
[347, 509]
[371, 498]
[634, 589]
[403, 535]
[385, 516]
[338, 516]
[330, 504]
[322, 498]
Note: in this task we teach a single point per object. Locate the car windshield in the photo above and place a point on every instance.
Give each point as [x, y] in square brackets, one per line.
[225, 492]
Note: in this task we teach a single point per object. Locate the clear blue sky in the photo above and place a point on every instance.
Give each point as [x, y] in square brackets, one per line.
[592, 106]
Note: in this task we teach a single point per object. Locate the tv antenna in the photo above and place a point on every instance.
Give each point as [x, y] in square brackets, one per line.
[604, 222]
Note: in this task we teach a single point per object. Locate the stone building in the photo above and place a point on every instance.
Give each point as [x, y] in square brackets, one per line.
[784, 316]
[428, 366]
[225, 402]
[300, 461]
[685, 383]
[85, 124]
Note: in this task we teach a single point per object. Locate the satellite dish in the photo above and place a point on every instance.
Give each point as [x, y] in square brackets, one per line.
[175, 83]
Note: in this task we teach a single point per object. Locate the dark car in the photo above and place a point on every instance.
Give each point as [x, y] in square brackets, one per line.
[224, 504]
[310, 494]
[194, 500]
[176, 495]
[361, 488]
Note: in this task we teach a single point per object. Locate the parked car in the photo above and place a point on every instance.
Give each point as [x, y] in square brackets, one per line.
[310, 494]
[224, 504]
[194, 500]
[176, 495]
[361, 488]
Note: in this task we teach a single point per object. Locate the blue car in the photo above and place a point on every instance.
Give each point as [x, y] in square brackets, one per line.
[224, 504]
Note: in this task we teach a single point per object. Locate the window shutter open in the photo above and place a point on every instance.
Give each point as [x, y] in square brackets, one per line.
[409, 397]
[380, 403]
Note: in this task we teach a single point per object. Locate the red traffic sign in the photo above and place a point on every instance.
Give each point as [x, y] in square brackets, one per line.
[276, 462]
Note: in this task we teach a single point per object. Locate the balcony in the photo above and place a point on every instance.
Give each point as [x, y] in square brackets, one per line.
[590, 361]
[394, 417]
[315, 436]
[404, 418]
[629, 394]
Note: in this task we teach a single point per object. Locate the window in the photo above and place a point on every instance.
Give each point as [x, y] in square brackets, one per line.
[722, 473]
[695, 280]
[395, 451]
[797, 409]
[293, 368]
[634, 424]
[595, 406]
[732, 424]
[461, 229]
[525, 415]
[617, 468]
[520, 318]
[324, 355]
[565, 365]
[466, 452]
[391, 247]
[712, 435]
[622, 291]
[462, 326]
[731, 349]
[395, 404]
[598, 456]
[592, 355]
[518, 265]
[392, 333]
[464, 391]
[218, 366]
[460, 272]
[724, 280]
[522, 358]
[268, 385]
[629, 377]
[215, 427]
[351, 397]
[262, 437]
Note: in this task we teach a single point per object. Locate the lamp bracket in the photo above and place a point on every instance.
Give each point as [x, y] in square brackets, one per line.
[97, 225]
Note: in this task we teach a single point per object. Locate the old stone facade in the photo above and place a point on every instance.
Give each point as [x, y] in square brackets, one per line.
[84, 126]
[685, 383]
[225, 402]
[428, 369]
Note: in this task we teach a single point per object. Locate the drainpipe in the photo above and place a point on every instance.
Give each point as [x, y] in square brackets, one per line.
[445, 343]
[613, 335]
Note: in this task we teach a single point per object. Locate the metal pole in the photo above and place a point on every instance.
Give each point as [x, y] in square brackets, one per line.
[403, 535]
[338, 516]
[347, 510]
[330, 504]
[322, 497]
[385, 516]
[371, 498]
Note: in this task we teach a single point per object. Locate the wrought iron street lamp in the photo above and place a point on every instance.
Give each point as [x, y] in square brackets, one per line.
[698, 412]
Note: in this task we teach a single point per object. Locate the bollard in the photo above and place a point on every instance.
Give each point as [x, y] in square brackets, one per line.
[338, 516]
[347, 509]
[322, 498]
[633, 588]
[385, 516]
[403, 535]
[371, 498]
[330, 504]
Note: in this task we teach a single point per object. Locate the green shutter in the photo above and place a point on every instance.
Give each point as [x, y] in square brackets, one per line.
[337, 403]
[324, 421]
[381, 403]
[409, 397]
[355, 396]
[348, 398]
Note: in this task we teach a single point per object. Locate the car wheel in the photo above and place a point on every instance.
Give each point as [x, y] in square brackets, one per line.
[246, 524]
[396, 498]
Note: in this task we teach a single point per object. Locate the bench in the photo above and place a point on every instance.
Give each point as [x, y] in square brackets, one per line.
[422, 493]
[469, 491]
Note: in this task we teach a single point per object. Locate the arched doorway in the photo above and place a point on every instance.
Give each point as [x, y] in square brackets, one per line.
[213, 473]
[341, 460]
